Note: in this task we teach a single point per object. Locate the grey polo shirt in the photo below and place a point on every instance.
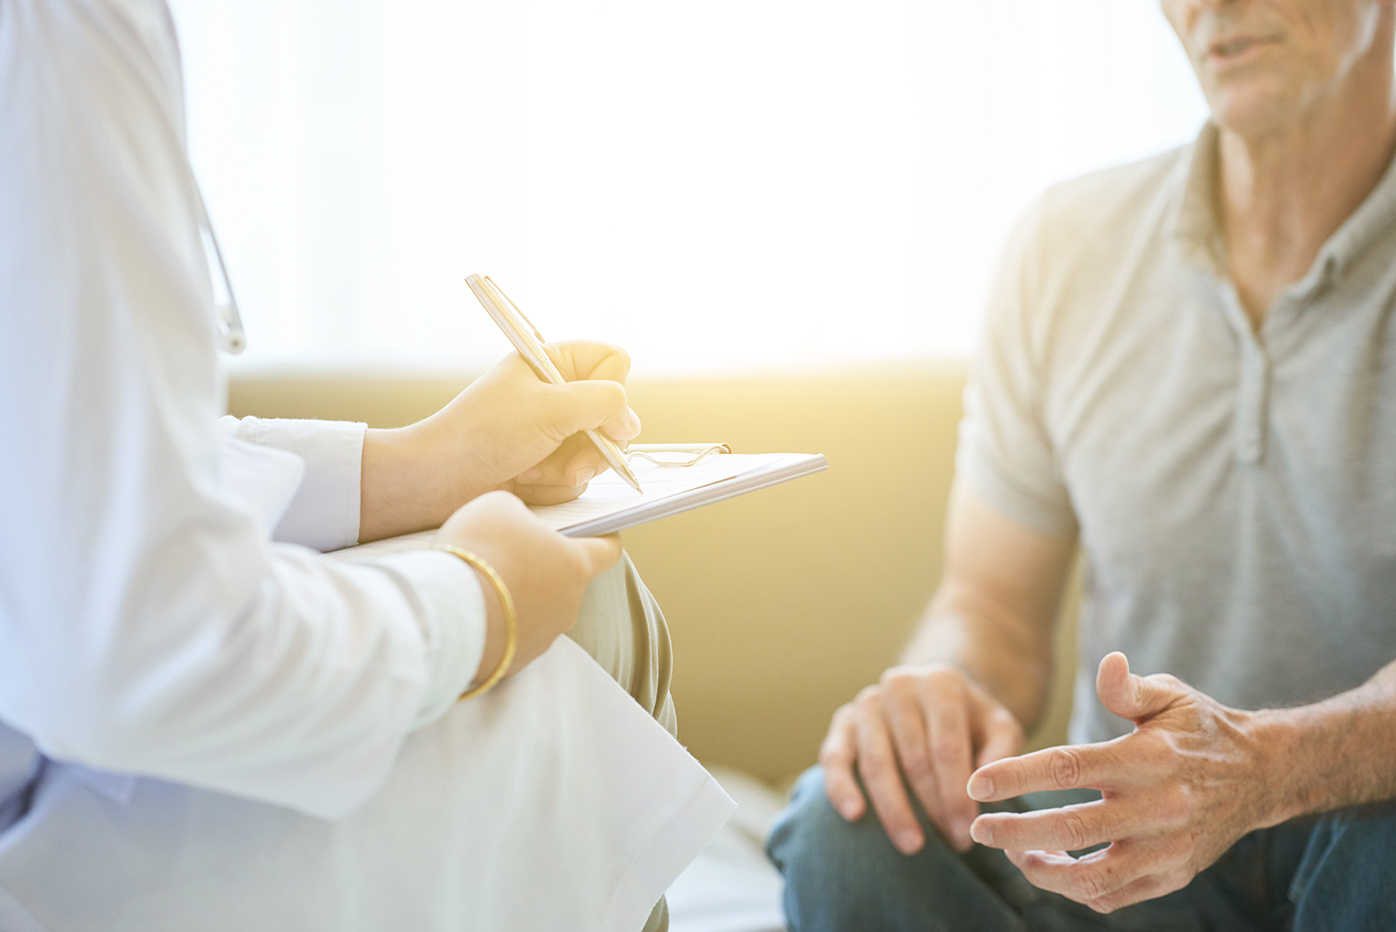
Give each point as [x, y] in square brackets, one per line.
[1234, 491]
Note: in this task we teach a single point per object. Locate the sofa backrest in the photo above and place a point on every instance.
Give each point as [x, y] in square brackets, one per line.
[782, 604]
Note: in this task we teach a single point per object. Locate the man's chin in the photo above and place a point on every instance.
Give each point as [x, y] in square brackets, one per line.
[1253, 107]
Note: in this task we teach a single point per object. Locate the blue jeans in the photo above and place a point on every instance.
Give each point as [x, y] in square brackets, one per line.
[1335, 873]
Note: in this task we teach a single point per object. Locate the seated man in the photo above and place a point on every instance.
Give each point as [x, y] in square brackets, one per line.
[187, 688]
[1190, 370]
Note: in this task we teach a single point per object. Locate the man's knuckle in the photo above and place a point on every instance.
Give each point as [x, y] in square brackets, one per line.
[1174, 850]
[1074, 832]
[944, 680]
[916, 761]
[1091, 885]
[834, 759]
[1003, 717]
[1176, 880]
[1066, 768]
[1104, 906]
[945, 747]
[835, 747]
[874, 766]
[1006, 723]
[898, 681]
[867, 696]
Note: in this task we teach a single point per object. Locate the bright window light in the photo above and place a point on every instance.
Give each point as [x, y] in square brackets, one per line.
[739, 185]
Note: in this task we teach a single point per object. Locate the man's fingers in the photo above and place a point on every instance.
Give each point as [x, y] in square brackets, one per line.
[1085, 880]
[836, 757]
[882, 777]
[1148, 887]
[1001, 735]
[1069, 828]
[902, 706]
[946, 702]
[1093, 766]
[1133, 697]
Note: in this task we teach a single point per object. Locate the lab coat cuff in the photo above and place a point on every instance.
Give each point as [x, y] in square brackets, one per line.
[453, 623]
[324, 514]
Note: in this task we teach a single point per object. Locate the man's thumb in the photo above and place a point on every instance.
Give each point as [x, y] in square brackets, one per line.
[1127, 695]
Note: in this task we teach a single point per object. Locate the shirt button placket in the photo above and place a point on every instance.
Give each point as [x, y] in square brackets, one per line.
[1253, 388]
[1251, 409]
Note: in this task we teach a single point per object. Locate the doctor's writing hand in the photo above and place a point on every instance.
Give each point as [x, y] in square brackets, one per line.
[508, 430]
[545, 572]
[930, 724]
[1178, 792]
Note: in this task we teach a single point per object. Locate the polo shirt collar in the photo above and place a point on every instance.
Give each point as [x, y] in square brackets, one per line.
[1194, 218]
[1372, 217]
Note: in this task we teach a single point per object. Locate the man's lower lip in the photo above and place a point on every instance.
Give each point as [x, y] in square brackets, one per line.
[1243, 52]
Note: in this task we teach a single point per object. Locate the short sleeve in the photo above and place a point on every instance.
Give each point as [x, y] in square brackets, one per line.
[1005, 451]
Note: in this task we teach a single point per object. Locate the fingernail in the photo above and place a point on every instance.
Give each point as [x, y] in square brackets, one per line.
[849, 811]
[979, 833]
[531, 475]
[980, 787]
[583, 476]
[634, 424]
[909, 842]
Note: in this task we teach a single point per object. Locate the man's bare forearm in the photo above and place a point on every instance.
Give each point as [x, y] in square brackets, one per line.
[993, 615]
[1335, 753]
[1007, 654]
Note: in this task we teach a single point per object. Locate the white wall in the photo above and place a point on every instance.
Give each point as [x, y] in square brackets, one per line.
[736, 184]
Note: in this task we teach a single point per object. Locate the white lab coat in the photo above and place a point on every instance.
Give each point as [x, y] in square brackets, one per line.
[149, 626]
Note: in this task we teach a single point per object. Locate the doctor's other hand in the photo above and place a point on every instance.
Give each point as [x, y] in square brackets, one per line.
[546, 573]
[508, 430]
[928, 726]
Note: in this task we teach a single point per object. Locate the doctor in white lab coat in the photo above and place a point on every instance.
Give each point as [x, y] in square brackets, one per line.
[205, 723]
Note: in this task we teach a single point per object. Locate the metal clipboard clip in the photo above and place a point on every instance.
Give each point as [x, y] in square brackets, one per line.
[682, 454]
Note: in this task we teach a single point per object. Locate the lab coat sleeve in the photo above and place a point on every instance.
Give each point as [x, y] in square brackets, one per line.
[324, 514]
[147, 625]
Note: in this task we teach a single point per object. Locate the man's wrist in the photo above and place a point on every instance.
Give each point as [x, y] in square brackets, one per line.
[1275, 736]
[1297, 775]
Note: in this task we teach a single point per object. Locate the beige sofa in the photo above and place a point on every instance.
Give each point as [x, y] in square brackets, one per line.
[782, 604]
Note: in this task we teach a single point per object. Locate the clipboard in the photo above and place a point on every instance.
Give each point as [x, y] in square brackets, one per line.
[677, 477]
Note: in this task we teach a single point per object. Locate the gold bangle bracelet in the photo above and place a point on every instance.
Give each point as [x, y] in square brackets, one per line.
[511, 620]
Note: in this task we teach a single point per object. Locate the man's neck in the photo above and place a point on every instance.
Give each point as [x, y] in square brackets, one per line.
[1283, 193]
